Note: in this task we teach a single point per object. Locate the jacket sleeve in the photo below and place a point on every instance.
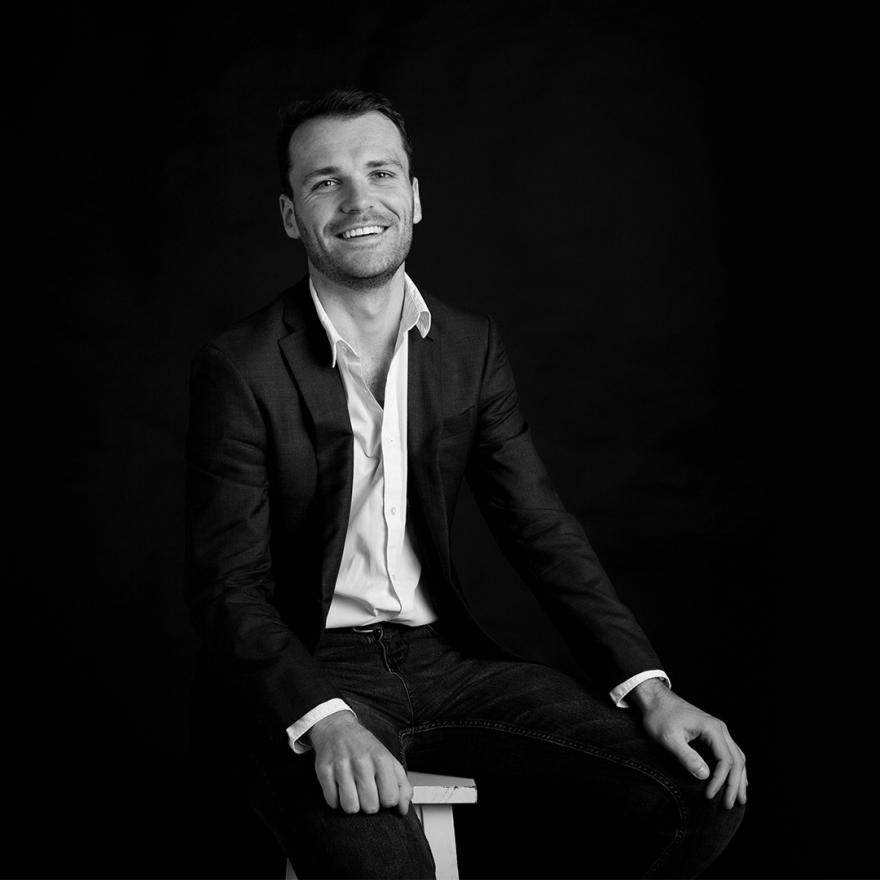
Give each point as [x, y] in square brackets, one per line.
[231, 583]
[546, 544]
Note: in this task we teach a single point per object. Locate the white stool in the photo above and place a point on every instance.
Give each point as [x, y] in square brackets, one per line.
[433, 797]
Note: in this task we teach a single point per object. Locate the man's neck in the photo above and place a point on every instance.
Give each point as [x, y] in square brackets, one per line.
[368, 319]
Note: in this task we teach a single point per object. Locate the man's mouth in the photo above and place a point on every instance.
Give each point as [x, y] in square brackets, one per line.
[361, 231]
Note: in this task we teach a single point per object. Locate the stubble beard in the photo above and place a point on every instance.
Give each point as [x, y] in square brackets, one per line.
[335, 271]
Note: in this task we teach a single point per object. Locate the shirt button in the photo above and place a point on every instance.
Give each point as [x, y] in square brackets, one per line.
[393, 511]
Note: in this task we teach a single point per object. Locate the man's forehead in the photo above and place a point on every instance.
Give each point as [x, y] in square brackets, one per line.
[329, 139]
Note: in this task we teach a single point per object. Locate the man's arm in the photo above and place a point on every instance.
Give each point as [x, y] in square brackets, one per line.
[231, 585]
[231, 582]
[550, 550]
[544, 542]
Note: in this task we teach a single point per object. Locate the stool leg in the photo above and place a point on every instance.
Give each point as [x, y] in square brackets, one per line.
[439, 828]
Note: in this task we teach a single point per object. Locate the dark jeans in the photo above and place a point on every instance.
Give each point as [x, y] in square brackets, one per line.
[619, 804]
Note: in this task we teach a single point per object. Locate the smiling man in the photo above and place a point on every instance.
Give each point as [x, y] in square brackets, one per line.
[354, 218]
[329, 435]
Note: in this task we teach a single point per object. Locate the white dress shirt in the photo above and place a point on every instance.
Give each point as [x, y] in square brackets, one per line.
[379, 573]
[379, 576]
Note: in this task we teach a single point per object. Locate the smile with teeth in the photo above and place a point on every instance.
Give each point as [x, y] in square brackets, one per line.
[361, 231]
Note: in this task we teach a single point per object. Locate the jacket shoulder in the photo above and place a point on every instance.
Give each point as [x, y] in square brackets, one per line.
[456, 322]
[251, 341]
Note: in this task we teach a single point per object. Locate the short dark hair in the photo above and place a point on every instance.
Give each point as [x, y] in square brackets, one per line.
[341, 103]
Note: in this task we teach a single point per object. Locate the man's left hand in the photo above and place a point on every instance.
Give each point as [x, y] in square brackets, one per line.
[673, 722]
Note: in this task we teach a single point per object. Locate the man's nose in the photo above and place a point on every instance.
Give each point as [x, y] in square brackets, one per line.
[357, 197]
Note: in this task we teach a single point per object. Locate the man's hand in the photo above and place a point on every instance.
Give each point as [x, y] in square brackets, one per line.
[355, 770]
[674, 722]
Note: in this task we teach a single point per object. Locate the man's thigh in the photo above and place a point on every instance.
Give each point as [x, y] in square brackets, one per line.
[543, 745]
[452, 690]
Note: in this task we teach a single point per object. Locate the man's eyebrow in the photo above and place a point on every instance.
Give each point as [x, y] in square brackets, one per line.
[378, 163]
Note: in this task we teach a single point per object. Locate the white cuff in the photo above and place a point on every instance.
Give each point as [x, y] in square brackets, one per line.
[300, 728]
[618, 694]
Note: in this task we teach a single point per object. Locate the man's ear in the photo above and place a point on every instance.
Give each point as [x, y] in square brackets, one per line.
[288, 216]
[417, 201]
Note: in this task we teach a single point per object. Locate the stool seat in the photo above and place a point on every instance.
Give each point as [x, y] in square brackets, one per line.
[433, 799]
[433, 788]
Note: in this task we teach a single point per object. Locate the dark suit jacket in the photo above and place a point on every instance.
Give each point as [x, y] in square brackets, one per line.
[269, 454]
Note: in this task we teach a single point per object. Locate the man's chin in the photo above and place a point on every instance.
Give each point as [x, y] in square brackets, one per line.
[361, 277]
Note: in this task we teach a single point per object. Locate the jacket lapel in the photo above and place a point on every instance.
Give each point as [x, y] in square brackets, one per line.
[307, 354]
[424, 418]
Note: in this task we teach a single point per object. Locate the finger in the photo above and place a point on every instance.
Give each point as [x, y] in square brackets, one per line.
[404, 788]
[690, 758]
[328, 786]
[719, 776]
[365, 781]
[714, 736]
[734, 779]
[349, 799]
[743, 785]
[387, 785]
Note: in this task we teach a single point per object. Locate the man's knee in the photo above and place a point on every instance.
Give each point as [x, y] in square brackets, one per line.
[671, 827]
[706, 826]
[380, 845]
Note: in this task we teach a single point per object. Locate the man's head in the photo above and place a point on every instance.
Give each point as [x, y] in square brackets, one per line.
[341, 104]
[349, 194]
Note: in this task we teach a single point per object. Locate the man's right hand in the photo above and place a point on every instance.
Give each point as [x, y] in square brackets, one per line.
[356, 772]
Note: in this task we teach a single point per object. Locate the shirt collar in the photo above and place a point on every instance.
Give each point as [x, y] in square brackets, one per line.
[415, 313]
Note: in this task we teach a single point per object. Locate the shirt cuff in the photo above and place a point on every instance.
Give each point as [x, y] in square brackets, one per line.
[300, 728]
[618, 694]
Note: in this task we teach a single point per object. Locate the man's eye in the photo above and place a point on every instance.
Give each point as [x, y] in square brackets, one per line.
[324, 184]
[382, 174]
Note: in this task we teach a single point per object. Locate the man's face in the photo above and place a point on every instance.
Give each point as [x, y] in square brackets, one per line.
[353, 204]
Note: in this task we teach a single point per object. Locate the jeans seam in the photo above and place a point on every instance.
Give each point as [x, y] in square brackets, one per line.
[665, 782]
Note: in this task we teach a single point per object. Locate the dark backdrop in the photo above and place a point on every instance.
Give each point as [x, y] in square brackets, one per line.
[623, 185]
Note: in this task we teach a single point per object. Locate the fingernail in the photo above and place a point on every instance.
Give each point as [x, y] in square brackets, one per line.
[702, 772]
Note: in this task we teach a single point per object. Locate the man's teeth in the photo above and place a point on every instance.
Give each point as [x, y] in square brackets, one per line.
[362, 230]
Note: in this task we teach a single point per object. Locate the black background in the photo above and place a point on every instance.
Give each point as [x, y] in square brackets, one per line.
[626, 187]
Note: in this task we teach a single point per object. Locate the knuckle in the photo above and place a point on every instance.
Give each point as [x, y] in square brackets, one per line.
[383, 764]
[362, 766]
[326, 774]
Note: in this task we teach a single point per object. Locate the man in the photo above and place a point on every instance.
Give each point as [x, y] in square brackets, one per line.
[329, 435]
